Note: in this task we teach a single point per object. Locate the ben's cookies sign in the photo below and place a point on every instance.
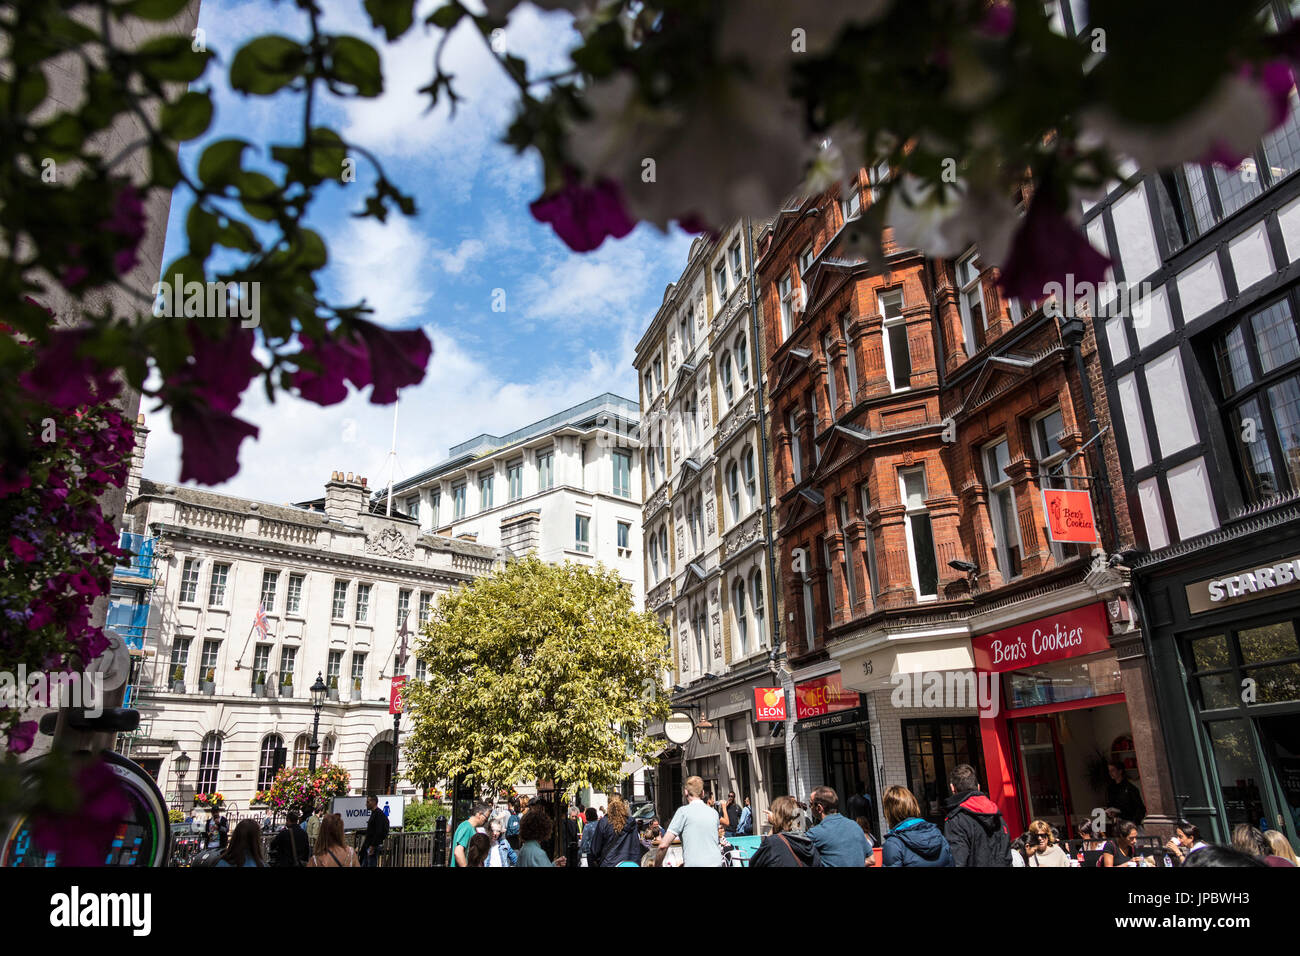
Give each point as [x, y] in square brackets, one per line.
[769, 703]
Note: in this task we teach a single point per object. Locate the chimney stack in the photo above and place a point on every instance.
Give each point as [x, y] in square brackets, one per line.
[345, 497]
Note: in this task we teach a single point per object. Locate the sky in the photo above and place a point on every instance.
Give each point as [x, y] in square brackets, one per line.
[571, 321]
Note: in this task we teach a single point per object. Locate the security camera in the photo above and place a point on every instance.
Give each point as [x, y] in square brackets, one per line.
[964, 566]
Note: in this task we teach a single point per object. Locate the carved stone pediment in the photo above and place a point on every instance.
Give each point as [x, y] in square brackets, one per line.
[390, 543]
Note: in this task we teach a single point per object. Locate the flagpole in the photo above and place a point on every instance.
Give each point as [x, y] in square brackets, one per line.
[392, 459]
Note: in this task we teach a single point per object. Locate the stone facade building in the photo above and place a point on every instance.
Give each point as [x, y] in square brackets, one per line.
[336, 579]
[706, 520]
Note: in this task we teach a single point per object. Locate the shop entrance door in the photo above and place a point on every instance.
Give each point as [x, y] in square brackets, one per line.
[1281, 739]
[1043, 791]
[846, 757]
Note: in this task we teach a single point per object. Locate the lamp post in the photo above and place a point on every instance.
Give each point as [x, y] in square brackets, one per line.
[318, 692]
[181, 765]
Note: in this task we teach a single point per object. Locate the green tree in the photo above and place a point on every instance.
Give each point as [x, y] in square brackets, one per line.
[537, 671]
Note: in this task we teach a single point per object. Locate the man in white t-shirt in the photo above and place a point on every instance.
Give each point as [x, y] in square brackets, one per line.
[697, 824]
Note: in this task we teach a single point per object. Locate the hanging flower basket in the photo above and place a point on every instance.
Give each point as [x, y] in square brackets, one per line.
[209, 800]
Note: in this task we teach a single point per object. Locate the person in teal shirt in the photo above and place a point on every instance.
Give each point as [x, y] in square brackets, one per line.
[465, 832]
[535, 830]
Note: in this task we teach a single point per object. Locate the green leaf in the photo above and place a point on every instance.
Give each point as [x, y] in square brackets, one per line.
[164, 170]
[328, 153]
[154, 9]
[254, 187]
[356, 63]
[220, 163]
[201, 228]
[237, 234]
[188, 117]
[394, 17]
[267, 64]
[448, 16]
[31, 91]
[172, 58]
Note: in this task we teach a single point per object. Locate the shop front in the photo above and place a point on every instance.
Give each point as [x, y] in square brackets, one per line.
[833, 737]
[1059, 717]
[1226, 655]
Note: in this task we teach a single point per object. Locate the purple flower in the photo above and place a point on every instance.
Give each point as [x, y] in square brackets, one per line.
[1046, 248]
[85, 583]
[22, 550]
[210, 440]
[63, 378]
[397, 359]
[583, 216]
[220, 369]
[341, 361]
[999, 20]
[42, 616]
[84, 836]
[22, 736]
[128, 221]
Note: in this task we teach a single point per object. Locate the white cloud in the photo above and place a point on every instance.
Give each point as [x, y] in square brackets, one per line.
[300, 444]
[466, 252]
[384, 263]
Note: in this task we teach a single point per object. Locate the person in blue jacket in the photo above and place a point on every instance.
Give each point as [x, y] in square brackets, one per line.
[911, 840]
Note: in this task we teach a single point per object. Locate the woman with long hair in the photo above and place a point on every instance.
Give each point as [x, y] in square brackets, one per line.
[245, 848]
[1186, 841]
[1281, 846]
[615, 838]
[480, 845]
[786, 845]
[1122, 849]
[331, 849]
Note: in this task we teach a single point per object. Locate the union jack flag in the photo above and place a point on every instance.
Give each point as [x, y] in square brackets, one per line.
[260, 623]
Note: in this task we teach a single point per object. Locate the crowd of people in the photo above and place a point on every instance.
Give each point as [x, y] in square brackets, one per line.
[799, 833]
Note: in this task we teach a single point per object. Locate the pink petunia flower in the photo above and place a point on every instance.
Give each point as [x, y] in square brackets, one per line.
[583, 216]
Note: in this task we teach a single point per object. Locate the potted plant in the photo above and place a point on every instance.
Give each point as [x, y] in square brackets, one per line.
[259, 684]
[209, 685]
[334, 688]
[178, 680]
[356, 688]
[286, 686]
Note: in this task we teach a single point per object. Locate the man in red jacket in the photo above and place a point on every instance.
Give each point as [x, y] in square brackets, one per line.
[974, 827]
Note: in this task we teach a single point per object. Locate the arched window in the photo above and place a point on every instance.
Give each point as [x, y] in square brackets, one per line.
[742, 358]
[209, 764]
[724, 373]
[751, 477]
[302, 751]
[379, 768]
[663, 547]
[266, 765]
[742, 622]
[654, 558]
[733, 490]
[756, 600]
[327, 751]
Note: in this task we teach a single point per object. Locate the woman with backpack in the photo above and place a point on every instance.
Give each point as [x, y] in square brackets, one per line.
[331, 849]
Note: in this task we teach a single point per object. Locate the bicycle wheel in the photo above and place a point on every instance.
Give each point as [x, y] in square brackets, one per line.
[142, 836]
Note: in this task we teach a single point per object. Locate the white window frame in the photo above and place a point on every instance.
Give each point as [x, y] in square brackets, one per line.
[756, 592]
[364, 589]
[582, 533]
[965, 287]
[998, 485]
[851, 362]
[750, 474]
[889, 324]
[851, 205]
[487, 480]
[907, 527]
[737, 262]
[219, 584]
[806, 259]
[337, 612]
[515, 479]
[742, 358]
[785, 292]
[720, 277]
[725, 376]
[191, 577]
[869, 539]
[458, 496]
[740, 617]
[293, 602]
[733, 490]
[796, 447]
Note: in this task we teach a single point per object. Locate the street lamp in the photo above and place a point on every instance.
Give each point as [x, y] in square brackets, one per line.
[181, 765]
[703, 731]
[318, 692]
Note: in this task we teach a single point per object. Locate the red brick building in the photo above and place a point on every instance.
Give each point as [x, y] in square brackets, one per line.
[917, 416]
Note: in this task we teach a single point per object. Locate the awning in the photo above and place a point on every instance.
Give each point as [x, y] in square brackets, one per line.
[875, 669]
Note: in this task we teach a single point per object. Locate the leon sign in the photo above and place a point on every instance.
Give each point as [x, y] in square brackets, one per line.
[769, 703]
[1069, 516]
[825, 695]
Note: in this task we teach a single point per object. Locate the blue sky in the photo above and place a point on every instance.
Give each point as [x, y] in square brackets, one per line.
[571, 321]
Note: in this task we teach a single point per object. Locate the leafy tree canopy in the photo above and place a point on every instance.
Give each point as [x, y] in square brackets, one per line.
[537, 671]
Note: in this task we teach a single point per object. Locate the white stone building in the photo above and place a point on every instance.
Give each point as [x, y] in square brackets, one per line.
[335, 579]
[568, 487]
[707, 560]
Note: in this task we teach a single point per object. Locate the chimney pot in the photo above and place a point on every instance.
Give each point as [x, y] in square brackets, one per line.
[349, 476]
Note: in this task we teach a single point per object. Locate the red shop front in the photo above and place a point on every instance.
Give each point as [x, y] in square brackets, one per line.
[1061, 716]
